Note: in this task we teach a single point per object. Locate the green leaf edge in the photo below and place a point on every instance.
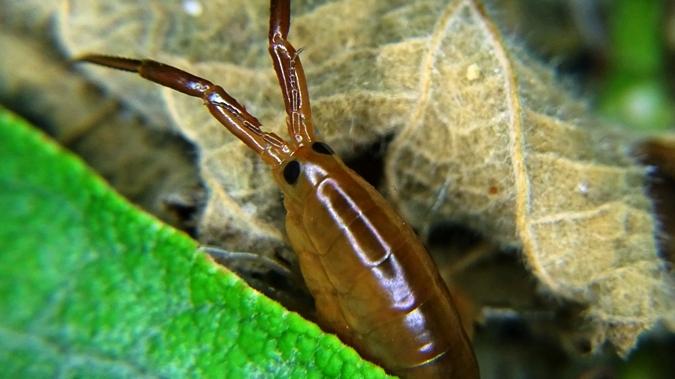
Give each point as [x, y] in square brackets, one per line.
[292, 347]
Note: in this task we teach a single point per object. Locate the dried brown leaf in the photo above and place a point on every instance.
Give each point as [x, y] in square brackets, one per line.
[146, 166]
[659, 153]
[507, 152]
[483, 134]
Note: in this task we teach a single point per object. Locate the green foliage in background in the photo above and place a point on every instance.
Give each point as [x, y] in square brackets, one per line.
[92, 287]
[636, 90]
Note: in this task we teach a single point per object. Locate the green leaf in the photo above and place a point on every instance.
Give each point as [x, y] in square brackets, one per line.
[92, 287]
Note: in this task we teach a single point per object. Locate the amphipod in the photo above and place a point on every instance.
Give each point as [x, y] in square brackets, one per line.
[374, 284]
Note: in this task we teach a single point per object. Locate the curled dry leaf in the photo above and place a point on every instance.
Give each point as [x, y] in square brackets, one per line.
[508, 153]
[659, 153]
[482, 134]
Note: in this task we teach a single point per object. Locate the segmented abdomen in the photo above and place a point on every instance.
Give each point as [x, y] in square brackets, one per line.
[373, 282]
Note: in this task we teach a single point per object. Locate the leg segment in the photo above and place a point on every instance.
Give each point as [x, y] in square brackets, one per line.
[222, 106]
[290, 74]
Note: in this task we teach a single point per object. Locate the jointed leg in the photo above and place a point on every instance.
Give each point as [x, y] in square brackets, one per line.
[221, 105]
[290, 74]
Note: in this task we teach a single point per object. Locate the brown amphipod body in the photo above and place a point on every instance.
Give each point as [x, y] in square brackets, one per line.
[374, 284]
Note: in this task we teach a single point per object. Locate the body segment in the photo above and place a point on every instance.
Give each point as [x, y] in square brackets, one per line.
[373, 282]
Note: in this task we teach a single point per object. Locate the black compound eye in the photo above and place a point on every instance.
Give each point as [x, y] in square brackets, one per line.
[322, 148]
[292, 172]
